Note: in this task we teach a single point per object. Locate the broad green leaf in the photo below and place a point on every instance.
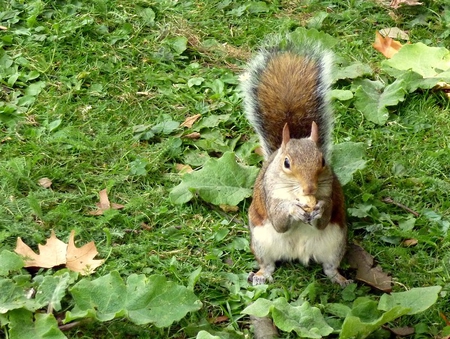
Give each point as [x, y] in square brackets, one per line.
[347, 158]
[372, 98]
[427, 61]
[178, 44]
[22, 326]
[365, 318]
[307, 321]
[9, 262]
[142, 299]
[158, 301]
[148, 16]
[341, 94]
[52, 290]
[220, 181]
[35, 88]
[260, 308]
[258, 7]
[353, 71]
[206, 335]
[312, 34]
[416, 299]
[104, 298]
[13, 296]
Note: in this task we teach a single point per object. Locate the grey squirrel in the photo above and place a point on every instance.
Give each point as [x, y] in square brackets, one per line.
[297, 211]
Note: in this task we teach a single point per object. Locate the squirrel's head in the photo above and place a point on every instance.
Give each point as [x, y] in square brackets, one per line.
[302, 160]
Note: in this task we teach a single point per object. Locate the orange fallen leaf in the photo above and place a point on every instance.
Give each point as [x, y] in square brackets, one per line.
[53, 253]
[82, 259]
[56, 253]
[190, 121]
[387, 46]
[104, 204]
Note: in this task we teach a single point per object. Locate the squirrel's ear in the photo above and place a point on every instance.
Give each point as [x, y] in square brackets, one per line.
[314, 132]
[286, 134]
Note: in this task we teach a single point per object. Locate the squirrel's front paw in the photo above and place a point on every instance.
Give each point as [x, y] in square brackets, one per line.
[318, 210]
[297, 212]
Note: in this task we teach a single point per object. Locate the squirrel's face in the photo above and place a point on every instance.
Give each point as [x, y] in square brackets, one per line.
[302, 162]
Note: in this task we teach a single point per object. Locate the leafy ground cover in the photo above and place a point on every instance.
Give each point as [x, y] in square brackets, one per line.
[93, 95]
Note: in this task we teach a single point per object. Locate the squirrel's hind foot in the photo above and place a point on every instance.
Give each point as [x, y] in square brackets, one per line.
[258, 278]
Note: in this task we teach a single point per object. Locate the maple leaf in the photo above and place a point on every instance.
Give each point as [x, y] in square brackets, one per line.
[104, 204]
[56, 253]
[387, 46]
[82, 259]
[53, 253]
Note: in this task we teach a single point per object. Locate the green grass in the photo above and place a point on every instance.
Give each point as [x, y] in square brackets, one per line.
[109, 66]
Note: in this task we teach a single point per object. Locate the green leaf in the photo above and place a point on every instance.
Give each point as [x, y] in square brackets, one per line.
[35, 88]
[44, 326]
[260, 308]
[148, 16]
[220, 181]
[142, 299]
[341, 94]
[103, 298]
[365, 318]
[307, 321]
[206, 335]
[347, 158]
[9, 262]
[353, 71]
[52, 290]
[13, 296]
[373, 101]
[178, 44]
[427, 61]
[158, 301]
[416, 299]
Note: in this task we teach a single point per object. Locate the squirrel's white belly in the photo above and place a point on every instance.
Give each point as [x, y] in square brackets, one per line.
[303, 242]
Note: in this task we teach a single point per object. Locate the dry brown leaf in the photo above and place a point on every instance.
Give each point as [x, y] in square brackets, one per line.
[397, 3]
[259, 151]
[53, 253]
[220, 319]
[45, 182]
[190, 121]
[82, 259]
[410, 242]
[387, 46]
[3, 28]
[182, 169]
[104, 204]
[366, 270]
[193, 136]
[56, 253]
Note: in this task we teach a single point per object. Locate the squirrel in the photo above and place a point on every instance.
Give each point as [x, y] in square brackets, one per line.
[297, 211]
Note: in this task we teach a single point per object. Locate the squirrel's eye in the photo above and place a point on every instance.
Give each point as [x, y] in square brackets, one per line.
[287, 164]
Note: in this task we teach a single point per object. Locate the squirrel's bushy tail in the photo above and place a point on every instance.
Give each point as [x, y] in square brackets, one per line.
[288, 82]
